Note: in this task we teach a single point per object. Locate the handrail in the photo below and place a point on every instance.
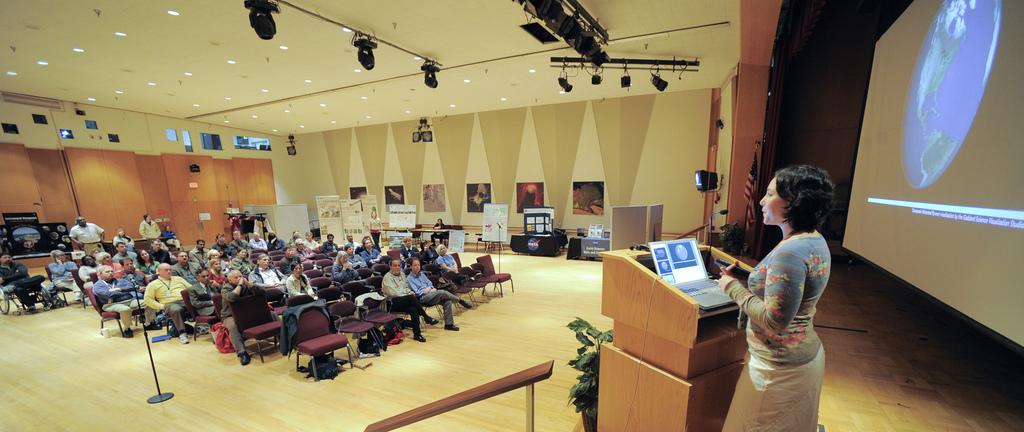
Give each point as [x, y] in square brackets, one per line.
[691, 233]
[523, 378]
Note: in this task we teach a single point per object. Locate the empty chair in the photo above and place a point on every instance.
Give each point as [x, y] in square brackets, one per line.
[332, 255]
[380, 269]
[308, 266]
[257, 252]
[494, 277]
[325, 263]
[432, 269]
[299, 299]
[345, 321]
[354, 289]
[319, 283]
[315, 336]
[206, 320]
[320, 256]
[374, 282]
[364, 273]
[276, 298]
[395, 253]
[254, 320]
[313, 274]
[472, 281]
[329, 293]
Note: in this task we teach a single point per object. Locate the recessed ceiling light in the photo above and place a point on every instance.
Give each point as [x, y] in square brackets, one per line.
[42, 63]
[408, 112]
[309, 81]
[227, 121]
[364, 97]
[283, 47]
[453, 106]
[231, 62]
[121, 33]
[533, 70]
[416, 58]
[367, 116]
[152, 83]
[195, 105]
[118, 92]
[301, 126]
[11, 73]
[188, 73]
[275, 130]
[255, 116]
[175, 13]
[465, 80]
[504, 99]
[287, 111]
[346, 30]
[333, 121]
[227, 98]
[356, 70]
[91, 99]
[323, 105]
[561, 92]
[266, 91]
[77, 50]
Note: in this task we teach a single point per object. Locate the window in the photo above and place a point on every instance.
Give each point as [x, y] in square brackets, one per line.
[113, 138]
[39, 119]
[67, 134]
[186, 138]
[91, 124]
[210, 141]
[252, 143]
[172, 135]
[11, 128]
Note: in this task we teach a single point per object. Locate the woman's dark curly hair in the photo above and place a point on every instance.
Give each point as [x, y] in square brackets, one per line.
[809, 191]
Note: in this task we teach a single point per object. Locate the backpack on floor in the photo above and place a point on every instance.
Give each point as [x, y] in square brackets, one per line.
[326, 367]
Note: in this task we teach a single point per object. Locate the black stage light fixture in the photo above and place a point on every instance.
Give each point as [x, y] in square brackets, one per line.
[416, 137]
[429, 74]
[291, 145]
[365, 54]
[260, 19]
[706, 180]
[658, 83]
[428, 136]
[564, 83]
[625, 81]
[600, 58]
[595, 79]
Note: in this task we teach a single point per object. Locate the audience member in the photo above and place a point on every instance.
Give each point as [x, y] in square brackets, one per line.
[296, 235]
[298, 283]
[217, 274]
[159, 253]
[104, 258]
[185, 268]
[61, 273]
[239, 243]
[122, 253]
[408, 250]
[121, 237]
[237, 287]
[88, 268]
[242, 262]
[265, 276]
[164, 294]
[115, 294]
[311, 244]
[396, 287]
[329, 245]
[225, 249]
[349, 242]
[256, 242]
[274, 243]
[134, 277]
[355, 260]
[430, 296]
[87, 236]
[445, 261]
[200, 254]
[370, 253]
[304, 253]
[14, 277]
[439, 235]
[148, 229]
[147, 265]
[375, 228]
[427, 253]
[342, 271]
[225, 261]
[201, 293]
[289, 260]
[170, 238]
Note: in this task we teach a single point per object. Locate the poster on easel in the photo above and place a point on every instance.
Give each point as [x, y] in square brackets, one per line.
[402, 216]
[352, 220]
[495, 221]
[456, 241]
[328, 209]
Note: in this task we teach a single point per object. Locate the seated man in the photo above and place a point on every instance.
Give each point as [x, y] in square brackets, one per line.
[288, 261]
[158, 252]
[265, 276]
[430, 296]
[14, 278]
[256, 242]
[274, 243]
[134, 277]
[403, 300]
[342, 272]
[170, 238]
[201, 294]
[238, 242]
[242, 263]
[200, 254]
[329, 245]
[349, 241]
[185, 268]
[164, 294]
[236, 287]
[225, 249]
[61, 273]
[116, 295]
[122, 253]
[305, 254]
[408, 250]
[311, 244]
[356, 261]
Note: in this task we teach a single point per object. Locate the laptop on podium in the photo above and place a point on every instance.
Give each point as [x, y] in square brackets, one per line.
[679, 263]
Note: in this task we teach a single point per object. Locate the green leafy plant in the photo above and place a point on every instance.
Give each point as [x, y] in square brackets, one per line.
[583, 394]
[732, 235]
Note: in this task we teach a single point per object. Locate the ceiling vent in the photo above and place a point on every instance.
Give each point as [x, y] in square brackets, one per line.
[53, 104]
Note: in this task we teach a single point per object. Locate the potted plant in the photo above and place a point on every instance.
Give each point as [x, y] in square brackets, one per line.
[732, 237]
[583, 394]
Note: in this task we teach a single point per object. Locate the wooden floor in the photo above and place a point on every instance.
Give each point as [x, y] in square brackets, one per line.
[900, 366]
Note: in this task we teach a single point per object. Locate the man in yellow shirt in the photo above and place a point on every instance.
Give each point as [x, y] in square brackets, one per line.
[164, 294]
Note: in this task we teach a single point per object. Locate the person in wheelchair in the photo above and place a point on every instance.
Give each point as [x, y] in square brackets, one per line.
[14, 278]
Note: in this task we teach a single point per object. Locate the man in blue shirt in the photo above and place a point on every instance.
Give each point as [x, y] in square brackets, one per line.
[430, 296]
[355, 260]
[116, 296]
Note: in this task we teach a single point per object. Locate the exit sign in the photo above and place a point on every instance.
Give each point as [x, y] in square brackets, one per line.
[193, 185]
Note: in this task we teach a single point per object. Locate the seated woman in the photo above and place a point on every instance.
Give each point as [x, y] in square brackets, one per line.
[147, 265]
[439, 235]
[242, 262]
[274, 243]
[427, 253]
[121, 237]
[408, 250]
[298, 283]
[370, 253]
[217, 274]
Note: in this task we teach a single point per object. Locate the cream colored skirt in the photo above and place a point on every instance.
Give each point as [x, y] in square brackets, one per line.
[777, 398]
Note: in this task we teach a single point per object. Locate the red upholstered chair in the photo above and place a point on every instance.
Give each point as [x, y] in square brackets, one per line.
[217, 305]
[276, 298]
[432, 269]
[107, 316]
[307, 266]
[94, 277]
[395, 253]
[62, 290]
[81, 286]
[364, 273]
[380, 269]
[474, 279]
[319, 283]
[491, 276]
[320, 256]
[329, 293]
[299, 299]
[374, 282]
[332, 255]
[254, 320]
[257, 252]
[345, 320]
[324, 263]
[458, 261]
[315, 337]
[459, 290]
[206, 320]
[374, 313]
[354, 289]
[313, 274]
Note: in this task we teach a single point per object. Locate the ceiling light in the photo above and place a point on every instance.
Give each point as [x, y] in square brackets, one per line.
[77, 50]
[365, 54]
[658, 83]
[364, 97]
[465, 81]
[260, 19]
[357, 70]
[533, 70]
[367, 116]
[227, 98]
[287, 111]
[600, 58]
[301, 126]
[266, 91]
[323, 105]
[283, 47]
[333, 121]
[417, 58]
[346, 30]
[121, 33]
[625, 81]
[188, 73]
[561, 92]
[504, 99]
[408, 112]
[275, 130]
[429, 73]
[453, 106]
[231, 62]
[227, 121]
[195, 105]
[11, 73]
[152, 83]
[42, 63]
[255, 116]
[118, 92]
[595, 79]
[92, 99]
[309, 81]
[175, 13]
[563, 82]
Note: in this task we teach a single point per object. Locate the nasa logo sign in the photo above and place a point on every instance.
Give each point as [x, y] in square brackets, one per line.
[533, 243]
[597, 243]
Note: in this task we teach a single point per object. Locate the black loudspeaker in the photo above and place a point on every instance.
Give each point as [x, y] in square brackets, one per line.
[706, 180]
[194, 168]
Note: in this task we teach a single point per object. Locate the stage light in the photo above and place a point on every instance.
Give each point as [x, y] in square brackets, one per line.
[658, 83]
[260, 19]
[596, 79]
[563, 82]
[625, 81]
[600, 58]
[429, 70]
[365, 54]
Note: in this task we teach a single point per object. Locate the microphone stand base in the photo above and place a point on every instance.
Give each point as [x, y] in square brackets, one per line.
[162, 397]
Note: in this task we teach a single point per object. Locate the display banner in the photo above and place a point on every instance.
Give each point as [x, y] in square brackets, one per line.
[352, 220]
[329, 209]
[402, 216]
[456, 241]
[495, 221]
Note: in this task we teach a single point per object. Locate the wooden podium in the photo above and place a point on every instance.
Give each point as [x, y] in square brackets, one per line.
[669, 368]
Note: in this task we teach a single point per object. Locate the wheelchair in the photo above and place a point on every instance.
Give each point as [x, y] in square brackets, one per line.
[10, 304]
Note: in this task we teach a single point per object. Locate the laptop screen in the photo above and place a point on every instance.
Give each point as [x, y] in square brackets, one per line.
[678, 261]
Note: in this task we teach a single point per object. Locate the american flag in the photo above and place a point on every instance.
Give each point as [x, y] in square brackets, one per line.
[748, 193]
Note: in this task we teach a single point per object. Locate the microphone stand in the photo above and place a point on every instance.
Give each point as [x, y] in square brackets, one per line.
[159, 397]
[711, 228]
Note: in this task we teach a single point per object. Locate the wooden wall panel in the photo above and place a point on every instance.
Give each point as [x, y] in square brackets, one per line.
[154, 188]
[126, 190]
[267, 192]
[245, 178]
[54, 189]
[227, 186]
[89, 173]
[16, 173]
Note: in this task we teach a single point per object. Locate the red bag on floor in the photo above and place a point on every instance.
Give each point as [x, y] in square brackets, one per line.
[223, 340]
